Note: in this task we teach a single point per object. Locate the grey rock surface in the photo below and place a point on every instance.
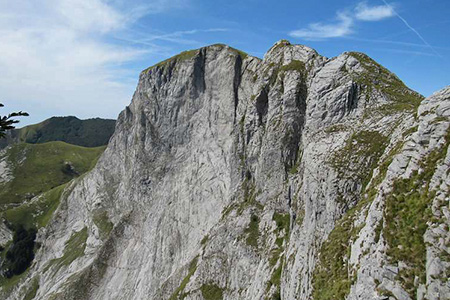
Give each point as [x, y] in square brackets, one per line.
[232, 177]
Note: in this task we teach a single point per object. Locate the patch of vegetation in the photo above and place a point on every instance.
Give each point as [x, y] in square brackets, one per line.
[38, 213]
[331, 278]
[8, 284]
[378, 77]
[295, 166]
[101, 220]
[372, 190]
[211, 292]
[410, 131]
[192, 268]
[74, 248]
[275, 283]
[21, 252]
[406, 215]
[31, 293]
[378, 230]
[87, 133]
[283, 222]
[440, 119]
[250, 194]
[185, 55]
[281, 44]
[386, 293]
[252, 231]
[294, 65]
[204, 240]
[38, 168]
[360, 155]
[282, 230]
[335, 128]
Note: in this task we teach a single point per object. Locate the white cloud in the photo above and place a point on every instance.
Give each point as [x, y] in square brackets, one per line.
[342, 27]
[345, 21]
[57, 55]
[373, 13]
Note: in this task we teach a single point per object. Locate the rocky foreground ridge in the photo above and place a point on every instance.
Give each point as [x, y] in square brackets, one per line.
[231, 177]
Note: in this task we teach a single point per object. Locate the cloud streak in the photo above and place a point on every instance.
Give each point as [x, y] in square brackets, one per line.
[343, 25]
[177, 36]
[412, 29]
[364, 12]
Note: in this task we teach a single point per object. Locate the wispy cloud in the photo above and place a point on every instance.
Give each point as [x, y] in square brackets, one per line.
[364, 12]
[58, 55]
[343, 25]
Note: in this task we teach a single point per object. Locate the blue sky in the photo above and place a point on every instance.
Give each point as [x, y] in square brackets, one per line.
[83, 57]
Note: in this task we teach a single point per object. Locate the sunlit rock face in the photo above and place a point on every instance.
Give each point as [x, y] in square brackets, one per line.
[233, 177]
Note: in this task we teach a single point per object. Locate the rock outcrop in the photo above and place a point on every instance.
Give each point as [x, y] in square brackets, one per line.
[232, 177]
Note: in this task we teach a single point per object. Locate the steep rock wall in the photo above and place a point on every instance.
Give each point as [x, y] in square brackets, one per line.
[232, 177]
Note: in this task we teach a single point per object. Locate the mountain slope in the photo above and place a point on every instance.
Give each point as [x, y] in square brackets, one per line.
[29, 170]
[231, 177]
[87, 133]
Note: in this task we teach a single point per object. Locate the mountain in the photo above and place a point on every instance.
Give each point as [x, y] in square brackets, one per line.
[233, 177]
[87, 133]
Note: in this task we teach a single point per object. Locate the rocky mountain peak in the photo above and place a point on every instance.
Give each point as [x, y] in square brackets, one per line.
[232, 177]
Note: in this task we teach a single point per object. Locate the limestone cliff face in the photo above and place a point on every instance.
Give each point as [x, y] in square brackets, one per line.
[232, 177]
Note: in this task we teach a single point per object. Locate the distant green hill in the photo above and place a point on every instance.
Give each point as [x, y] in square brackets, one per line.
[87, 133]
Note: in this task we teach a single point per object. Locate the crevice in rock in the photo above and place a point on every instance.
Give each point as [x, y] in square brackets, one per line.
[352, 97]
[198, 80]
[237, 83]
[262, 107]
[294, 135]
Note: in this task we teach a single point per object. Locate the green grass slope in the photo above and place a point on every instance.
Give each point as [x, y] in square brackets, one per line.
[38, 168]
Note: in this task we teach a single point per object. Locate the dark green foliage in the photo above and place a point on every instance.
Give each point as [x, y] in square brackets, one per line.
[7, 122]
[211, 292]
[252, 231]
[86, 133]
[204, 240]
[283, 222]
[21, 252]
